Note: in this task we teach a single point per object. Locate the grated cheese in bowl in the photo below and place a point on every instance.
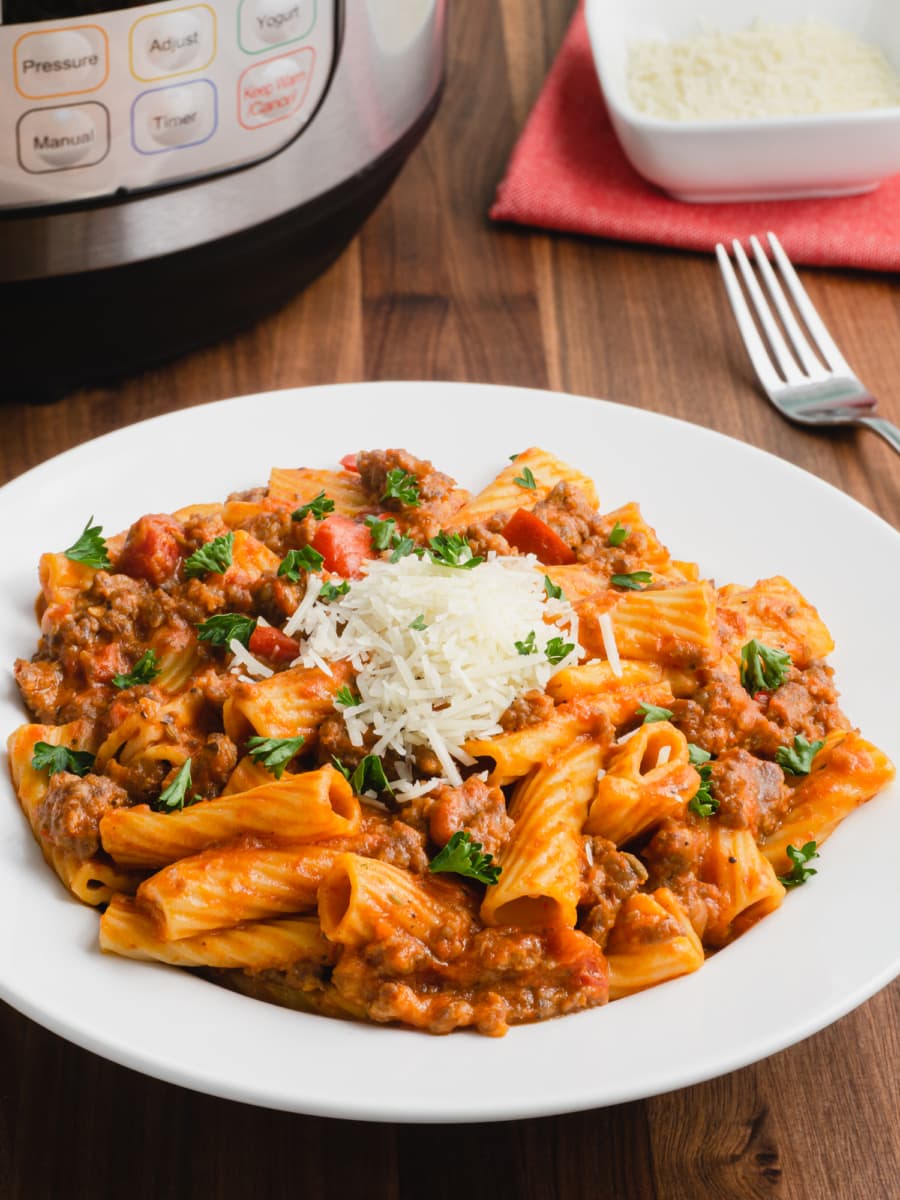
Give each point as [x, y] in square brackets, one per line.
[435, 651]
[763, 71]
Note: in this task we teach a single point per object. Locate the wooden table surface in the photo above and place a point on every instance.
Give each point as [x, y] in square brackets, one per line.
[430, 290]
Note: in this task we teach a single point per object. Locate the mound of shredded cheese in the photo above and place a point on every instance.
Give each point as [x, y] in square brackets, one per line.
[763, 71]
[435, 651]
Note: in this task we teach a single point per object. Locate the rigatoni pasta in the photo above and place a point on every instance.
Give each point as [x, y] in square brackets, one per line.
[367, 745]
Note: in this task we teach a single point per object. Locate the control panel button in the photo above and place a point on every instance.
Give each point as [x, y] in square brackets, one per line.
[273, 90]
[61, 62]
[264, 24]
[173, 42]
[174, 117]
[62, 137]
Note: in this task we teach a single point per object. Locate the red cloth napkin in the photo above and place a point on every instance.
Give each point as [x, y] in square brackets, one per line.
[569, 172]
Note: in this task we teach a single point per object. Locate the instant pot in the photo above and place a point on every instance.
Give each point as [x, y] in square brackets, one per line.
[169, 171]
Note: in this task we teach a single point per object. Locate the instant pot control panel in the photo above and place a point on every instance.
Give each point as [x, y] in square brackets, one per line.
[118, 101]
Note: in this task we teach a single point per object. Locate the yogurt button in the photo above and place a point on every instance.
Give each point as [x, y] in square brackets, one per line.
[265, 23]
[61, 61]
[171, 117]
[52, 139]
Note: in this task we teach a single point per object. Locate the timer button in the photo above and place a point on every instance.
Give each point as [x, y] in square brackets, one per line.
[264, 24]
[173, 43]
[174, 117]
[61, 62]
[62, 137]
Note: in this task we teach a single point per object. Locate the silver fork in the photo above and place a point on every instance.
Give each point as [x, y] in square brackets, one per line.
[804, 390]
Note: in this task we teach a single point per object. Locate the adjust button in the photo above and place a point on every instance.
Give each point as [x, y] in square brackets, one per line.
[264, 24]
[62, 137]
[174, 42]
[174, 117]
[61, 62]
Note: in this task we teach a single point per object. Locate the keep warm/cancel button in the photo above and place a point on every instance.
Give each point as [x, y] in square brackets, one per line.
[275, 89]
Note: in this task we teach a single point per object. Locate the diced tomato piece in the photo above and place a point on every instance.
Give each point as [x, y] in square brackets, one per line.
[344, 544]
[271, 643]
[348, 462]
[531, 535]
[761, 698]
[152, 549]
[102, 664]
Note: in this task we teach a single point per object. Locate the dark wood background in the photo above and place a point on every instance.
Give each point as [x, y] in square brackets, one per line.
[430, 290]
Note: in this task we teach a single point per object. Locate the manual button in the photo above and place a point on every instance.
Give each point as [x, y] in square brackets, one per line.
[173, 42]
[62, 137]
[174, 117]
[61, 62]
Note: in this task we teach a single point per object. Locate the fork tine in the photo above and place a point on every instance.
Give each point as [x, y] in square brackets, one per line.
[801, 346]
[805, 307]
[783, 356]
[759, 355]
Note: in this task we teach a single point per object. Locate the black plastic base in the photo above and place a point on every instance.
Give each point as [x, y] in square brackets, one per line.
[67, 332]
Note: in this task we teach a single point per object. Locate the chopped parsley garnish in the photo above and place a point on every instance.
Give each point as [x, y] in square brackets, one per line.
[175, 797]
[763, 668]
[144, 671]
[556, 650]
[382, 532]
[703, 803]
[215, 556]
[513, 457]
[418, 623]
[618, 534]
[526, 479]
[331, 591]
[319, 506]
[346, 697]
[452, 550]
[634, 581]
[274, 753]
[797, 760]
[528, 646]
[697, 756]
[800, 872]
[222, 628]
[402, 546]
[90, 548]
[401, 485]
[553, 592]
[60, 758]
[296, 561]
[369, 776]
[653, 712]
[463, 856]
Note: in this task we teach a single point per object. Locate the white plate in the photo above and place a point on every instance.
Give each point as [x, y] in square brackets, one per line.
[741, 513]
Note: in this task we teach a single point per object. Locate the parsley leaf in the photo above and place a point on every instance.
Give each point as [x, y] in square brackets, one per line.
[401, 485]
[402, 547]
[90, 548]
[174, 797]
[369, 776]
[274, 753]
[703, 803]
[513, 457]
[214, 556]
[618, 534]
[346, 698]
[528, 646]
[800, 872]
[143, 671]
[419, 622]
[318, 506]
[763, 668]
[697, 756]
[60, 758]
[631, 582]
[452, 550]
[463, 856]
[798, 759]
[653, 712]
[526, 479]
[331, 591]
[220, 629]
[382, 532]
[556, 650]
[296, 561]
[553, 592]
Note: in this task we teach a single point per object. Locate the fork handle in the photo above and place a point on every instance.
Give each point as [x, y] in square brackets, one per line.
[889, 432]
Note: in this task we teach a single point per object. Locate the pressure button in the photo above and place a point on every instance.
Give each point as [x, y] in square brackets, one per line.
[61, 62]
[174, 117]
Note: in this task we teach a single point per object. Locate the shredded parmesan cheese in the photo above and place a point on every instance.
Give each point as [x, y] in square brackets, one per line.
[664, 755]
[609, 644]
[763, 71]
[244, 659]
[448, 680]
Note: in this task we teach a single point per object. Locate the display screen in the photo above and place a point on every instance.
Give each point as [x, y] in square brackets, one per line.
[20, 12]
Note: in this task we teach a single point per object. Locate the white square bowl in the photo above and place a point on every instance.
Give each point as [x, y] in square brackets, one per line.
[771, 158]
